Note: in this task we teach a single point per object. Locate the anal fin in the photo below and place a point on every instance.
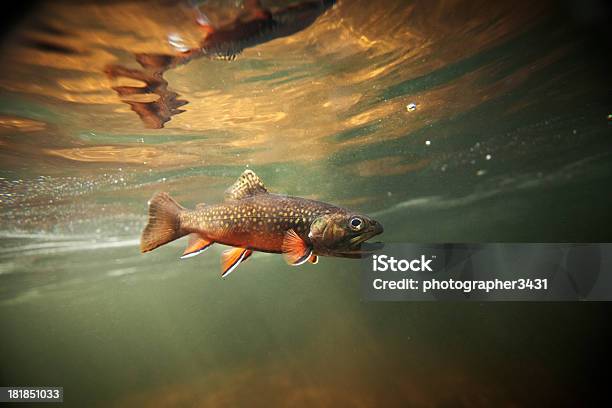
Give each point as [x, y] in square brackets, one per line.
[231, 258]
[295, 249]
[196, 245]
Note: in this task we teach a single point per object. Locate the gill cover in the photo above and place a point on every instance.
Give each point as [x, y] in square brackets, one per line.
[327, 229]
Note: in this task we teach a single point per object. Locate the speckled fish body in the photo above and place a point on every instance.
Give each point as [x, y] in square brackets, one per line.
[259, 222]
[252, 219]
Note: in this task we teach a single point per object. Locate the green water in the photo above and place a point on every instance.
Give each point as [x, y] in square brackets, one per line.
[510, 142]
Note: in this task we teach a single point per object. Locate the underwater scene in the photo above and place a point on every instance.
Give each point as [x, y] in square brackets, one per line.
[443, 121]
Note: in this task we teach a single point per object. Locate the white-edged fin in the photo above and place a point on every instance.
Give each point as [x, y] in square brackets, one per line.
[231, 258]
[295, 250]
[247, 185]
[313, 259]
[192, 254]
[196, 245]
[303, 259]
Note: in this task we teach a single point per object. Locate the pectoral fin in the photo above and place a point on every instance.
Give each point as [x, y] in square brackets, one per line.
[196, 245]
[231, 258]
[295, 249]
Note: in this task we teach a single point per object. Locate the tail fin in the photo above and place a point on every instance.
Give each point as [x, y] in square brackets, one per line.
[164, 224]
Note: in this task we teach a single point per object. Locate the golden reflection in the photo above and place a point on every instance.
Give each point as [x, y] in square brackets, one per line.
[151, 156]
[287, 99]
[12, 123]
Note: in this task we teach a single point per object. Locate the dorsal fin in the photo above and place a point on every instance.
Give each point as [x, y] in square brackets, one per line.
[247, 185]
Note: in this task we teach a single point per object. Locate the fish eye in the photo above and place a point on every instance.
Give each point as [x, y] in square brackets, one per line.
[356, 223]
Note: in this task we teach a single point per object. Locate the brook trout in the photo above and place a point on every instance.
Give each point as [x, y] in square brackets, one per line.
[252, 219]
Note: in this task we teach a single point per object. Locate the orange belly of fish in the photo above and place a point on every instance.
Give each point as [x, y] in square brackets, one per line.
[255, 240]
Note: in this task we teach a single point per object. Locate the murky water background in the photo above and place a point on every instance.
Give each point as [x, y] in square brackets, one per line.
[510, 141]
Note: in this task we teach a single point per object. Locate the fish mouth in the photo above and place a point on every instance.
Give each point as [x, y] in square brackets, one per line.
[355, 241]
[357, 247]
[375, 229]
[360, 251]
